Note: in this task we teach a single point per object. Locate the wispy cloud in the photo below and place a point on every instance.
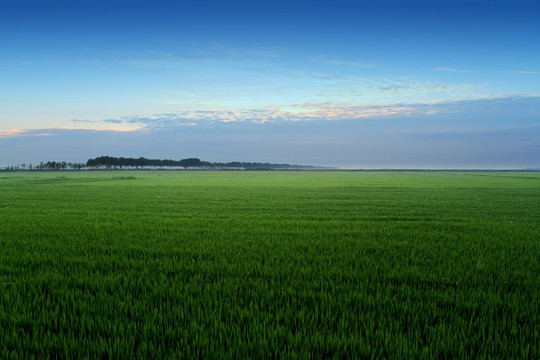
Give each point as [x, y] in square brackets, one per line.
[158, 59]
[90, 62]
[164, 41]
[236, 53]
[211, 52]
[279, 114]
[10, 133]
[326, 77]
[18, 133]
[449, 69]
[322, 112]
[307, 112]
[525, 72]
[84, 121]
[15, 133]
[385, 90]
[323, 59]
[15, 63]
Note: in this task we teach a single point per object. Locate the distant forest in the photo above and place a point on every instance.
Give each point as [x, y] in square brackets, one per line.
[114, 162]
[110, 162]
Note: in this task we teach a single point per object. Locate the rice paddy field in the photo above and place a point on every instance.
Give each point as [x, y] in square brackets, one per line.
[233, 264]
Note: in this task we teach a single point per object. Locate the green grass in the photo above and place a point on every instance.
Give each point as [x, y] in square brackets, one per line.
[270, 265]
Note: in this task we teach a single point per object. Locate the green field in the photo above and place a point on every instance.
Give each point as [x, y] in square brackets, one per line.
[270, 264]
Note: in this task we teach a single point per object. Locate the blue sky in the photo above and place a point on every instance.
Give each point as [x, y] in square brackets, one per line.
[364, 84]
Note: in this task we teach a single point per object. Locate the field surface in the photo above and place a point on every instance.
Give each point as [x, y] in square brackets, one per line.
[270, 265]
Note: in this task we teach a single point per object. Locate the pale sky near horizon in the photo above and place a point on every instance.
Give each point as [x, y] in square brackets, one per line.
[364, 84]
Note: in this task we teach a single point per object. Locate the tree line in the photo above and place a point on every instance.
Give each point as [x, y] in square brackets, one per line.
[122, 162]
[49, 165]
[111, 162]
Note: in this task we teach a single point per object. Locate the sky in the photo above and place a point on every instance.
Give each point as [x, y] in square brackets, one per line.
[351, 84]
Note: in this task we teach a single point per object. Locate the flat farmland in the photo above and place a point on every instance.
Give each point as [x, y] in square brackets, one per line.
[234, 264]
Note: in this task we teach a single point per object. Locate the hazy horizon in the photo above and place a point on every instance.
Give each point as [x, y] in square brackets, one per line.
[360, 85]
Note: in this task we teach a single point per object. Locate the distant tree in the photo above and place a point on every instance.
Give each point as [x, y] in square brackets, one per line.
[191, 162]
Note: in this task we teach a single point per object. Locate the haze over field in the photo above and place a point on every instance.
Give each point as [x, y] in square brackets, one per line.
[365, 84]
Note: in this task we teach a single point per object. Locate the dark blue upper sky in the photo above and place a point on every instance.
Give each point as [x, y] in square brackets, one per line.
[148, 72]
